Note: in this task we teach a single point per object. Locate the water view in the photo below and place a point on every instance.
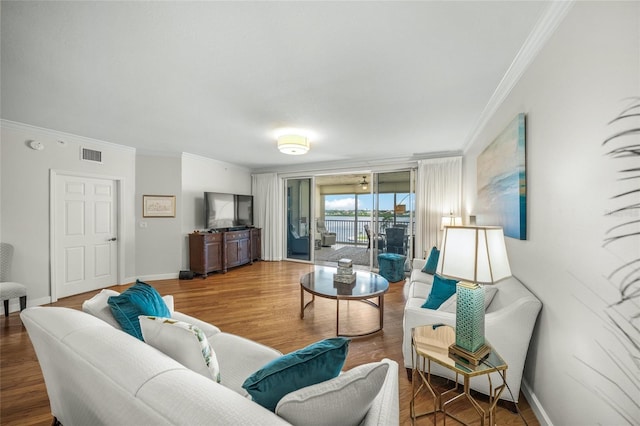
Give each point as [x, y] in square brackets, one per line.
[350, 229]
[347, 214]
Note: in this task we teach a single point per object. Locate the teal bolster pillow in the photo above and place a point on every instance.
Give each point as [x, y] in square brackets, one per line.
[432, 261]
[308, 366]
[139, 299]
[441, 290]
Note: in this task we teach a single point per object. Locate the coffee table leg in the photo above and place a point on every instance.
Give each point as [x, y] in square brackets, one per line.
[381, 310]
[337, 316]
[303, 306]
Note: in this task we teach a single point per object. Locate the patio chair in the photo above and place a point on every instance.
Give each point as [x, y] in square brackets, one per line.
[380, 238]
[327, 238]
[396, 240]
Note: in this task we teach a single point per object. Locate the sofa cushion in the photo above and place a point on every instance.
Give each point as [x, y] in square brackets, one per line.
[348, 396]
[308, 366]
[139, 299]
[421, 277]
[98, 306]
[442, 289]
[183, 342]
[432, 262]
[239, 358]
[449, 305]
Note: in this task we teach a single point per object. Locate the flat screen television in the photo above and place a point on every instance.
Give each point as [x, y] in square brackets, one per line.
[227, 210]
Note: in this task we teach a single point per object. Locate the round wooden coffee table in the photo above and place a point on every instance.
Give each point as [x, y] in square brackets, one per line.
[368, 285]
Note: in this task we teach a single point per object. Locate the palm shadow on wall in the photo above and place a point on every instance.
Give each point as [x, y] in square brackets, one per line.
[622, 316]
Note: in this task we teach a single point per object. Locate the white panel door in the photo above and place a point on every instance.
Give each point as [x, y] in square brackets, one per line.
[86, 249]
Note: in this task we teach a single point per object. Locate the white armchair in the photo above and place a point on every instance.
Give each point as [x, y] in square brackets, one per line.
[509, 322]
[327, 238]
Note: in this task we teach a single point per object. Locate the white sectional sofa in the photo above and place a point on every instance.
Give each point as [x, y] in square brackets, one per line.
[509, 322]
[97, 374]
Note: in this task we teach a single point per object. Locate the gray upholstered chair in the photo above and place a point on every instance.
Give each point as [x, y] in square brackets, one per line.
[327, 238]
[396, 240]
[8, 289]
[298, 244]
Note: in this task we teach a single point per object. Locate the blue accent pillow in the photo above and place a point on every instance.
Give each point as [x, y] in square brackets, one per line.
[308, 366]
[432, 262]
[441, 290]
[139, 299]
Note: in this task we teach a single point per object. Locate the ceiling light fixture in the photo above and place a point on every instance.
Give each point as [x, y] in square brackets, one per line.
[364, 184]
[293, 144]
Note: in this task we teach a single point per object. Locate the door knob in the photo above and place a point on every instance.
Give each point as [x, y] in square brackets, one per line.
[112, 239]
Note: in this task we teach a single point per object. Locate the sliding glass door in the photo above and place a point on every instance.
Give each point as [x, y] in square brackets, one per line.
[299, 219]
[394, 214]
[355, 211]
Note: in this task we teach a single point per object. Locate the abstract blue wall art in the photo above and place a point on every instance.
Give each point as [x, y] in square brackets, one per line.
[502, 181]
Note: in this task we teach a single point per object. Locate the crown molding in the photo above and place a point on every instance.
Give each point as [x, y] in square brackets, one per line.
[154, 153]
[61, 136]
[198, 157]
[546, 26]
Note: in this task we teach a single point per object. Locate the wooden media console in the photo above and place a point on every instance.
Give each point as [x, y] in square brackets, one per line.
[218, 251]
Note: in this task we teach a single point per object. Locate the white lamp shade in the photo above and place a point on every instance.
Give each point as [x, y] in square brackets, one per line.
[450, 221]
[474, 253]
[293, 144]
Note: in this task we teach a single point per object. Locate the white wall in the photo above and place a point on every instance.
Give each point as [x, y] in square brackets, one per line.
[158, 250]
[574, 87]
[25, 197]
[200, 174]
[158, 240]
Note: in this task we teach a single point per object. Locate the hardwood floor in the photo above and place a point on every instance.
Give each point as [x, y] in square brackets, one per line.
[260, 302]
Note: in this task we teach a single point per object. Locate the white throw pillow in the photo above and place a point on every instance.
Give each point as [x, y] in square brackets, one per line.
[183, 342]
[449, 305]
[344, 400]
[98, 306]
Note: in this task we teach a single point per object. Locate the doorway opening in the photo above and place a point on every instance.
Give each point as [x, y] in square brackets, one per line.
[354, 213]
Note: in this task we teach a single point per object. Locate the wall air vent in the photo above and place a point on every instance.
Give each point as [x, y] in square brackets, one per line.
[91, 155]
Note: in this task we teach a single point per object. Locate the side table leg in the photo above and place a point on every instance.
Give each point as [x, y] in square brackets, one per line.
[495, 397]
[466, 394]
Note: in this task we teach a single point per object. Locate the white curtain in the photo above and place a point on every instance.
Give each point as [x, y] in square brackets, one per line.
[438, 193]
[267, 207]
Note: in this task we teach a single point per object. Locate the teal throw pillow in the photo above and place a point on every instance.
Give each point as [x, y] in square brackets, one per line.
[308, 366]
[139, 299]
[432, 261]
[441, 290]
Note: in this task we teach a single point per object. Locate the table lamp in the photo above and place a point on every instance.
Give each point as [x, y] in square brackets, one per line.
[475, 255]
[450, 220]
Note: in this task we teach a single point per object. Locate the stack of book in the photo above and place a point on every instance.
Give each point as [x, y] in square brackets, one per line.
[345, 272]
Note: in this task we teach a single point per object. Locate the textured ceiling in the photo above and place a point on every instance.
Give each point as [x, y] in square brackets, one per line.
[371, 79]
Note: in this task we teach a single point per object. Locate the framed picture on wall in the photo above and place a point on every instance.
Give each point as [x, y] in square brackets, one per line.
[158, 206]
[502, 181]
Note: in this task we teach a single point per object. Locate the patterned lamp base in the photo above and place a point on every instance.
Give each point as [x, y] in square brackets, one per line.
[469, 344]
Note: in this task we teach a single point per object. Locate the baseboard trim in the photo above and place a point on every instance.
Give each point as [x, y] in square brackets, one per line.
[535, 405]
[170, 276]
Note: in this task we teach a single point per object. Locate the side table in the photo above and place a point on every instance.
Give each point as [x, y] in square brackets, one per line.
[431, 343]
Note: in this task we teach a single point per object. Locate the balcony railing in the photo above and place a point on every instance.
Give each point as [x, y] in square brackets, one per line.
[352, 232]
